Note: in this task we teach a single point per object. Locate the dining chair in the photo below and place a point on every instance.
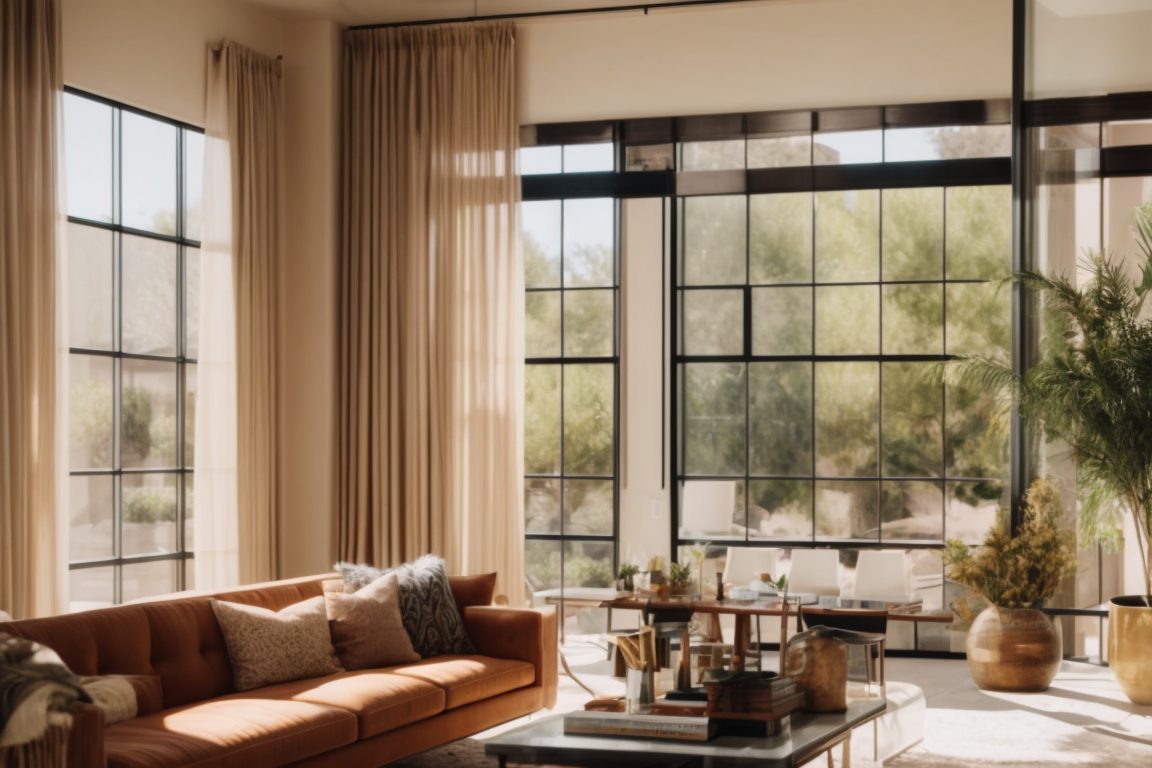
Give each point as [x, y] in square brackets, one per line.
[814, 571]
[882, 575]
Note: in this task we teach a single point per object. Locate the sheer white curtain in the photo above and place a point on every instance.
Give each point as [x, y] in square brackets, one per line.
[430, 347]
[31, 561]
[236, 459]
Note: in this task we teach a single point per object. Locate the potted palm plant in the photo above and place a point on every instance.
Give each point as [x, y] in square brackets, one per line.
[1012, 645]
[1092, 388]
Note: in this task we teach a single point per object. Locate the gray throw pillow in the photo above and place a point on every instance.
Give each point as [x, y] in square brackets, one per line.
[430, 615]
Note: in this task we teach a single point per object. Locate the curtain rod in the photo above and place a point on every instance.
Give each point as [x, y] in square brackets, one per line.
[645, 7]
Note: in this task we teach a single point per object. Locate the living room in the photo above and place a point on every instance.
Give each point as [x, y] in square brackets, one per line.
[582, 83]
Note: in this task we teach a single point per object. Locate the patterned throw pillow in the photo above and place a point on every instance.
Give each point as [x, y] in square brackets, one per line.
[366, 626]
[426, 604]
[273, 647]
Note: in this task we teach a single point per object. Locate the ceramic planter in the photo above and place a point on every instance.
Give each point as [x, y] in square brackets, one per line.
[1013, 649]
[1130, 646]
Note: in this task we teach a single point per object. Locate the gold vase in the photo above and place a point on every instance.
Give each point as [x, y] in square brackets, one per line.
[1013, 649]
[1130, 646]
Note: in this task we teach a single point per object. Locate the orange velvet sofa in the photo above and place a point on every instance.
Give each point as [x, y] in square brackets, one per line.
[366, 717]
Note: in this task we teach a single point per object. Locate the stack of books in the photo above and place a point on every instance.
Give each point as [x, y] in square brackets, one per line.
[761, 703]
[675, 727]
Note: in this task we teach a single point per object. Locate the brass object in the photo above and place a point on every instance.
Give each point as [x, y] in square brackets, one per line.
[1013, 649]
[1130, 646]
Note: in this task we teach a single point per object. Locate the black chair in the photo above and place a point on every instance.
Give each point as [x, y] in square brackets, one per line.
[858, 626]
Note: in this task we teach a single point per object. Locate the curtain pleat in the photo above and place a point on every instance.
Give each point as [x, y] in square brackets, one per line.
[245, 160]
[30, 84]
[430, 347]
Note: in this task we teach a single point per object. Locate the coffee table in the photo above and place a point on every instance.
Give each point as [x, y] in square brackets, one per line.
[544, 742]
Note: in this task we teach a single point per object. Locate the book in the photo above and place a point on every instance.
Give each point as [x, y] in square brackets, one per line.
[675, 727]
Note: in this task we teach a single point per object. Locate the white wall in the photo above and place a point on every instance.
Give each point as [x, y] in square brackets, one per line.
[1083, 48]
[776, 55]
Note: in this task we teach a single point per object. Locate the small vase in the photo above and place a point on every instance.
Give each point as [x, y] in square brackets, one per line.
[1014, 649]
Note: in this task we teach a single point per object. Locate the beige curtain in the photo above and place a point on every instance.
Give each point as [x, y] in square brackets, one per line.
[237, 460]
[431, 301]
[30, 83]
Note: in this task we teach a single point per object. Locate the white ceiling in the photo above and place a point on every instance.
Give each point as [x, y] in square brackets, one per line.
[351, 12]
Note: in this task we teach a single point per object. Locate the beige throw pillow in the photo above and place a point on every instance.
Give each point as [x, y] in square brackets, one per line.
[366, 626]
[272, 647]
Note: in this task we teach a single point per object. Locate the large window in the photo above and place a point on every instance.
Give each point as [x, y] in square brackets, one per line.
[570, 454]
[133, 199]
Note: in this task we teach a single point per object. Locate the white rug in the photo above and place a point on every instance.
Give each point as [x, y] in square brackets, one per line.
[1082, 720]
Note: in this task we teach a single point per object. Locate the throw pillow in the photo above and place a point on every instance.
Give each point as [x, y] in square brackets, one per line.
[426, 604]
[268, 647]
[366, 626]
[472, 590]
[124, 696]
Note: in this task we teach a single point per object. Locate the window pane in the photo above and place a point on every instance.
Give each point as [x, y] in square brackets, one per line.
[542, 564]
[972, 508]
[542, 419]
[781, 151]
[847, 509]
[582, 158]
[781, 247]
[781, 509]
[847, 320]
[712, 509]
[148, 173]
[193, 183]
[192, 302]
[588, 507]
[90, 412]
[713, 322]
[540, 236]
[848, 147]
[1122, 133]
[714, 240]
[88, 157]
[190, 387]
[912, 510]
[589, 425]
[847, 434]
[91, 526]
[149, 509]
[714, 419]
[149, 286]
[979, 319]
[588, 564]
[589, 227]
[848, 236]
[541, 505]
[649, 157]
[147, 414]
[89, 287]
[976, 441]
[588, 323]
[780, 418]
[914, 319]
[947, 142]
[913, 234]
[978, 237]
[712, 155]
[781, 321]
[91, 588]
[189, 525]
[542, 324]
[912, 437]
[142, 580]
[536, 160]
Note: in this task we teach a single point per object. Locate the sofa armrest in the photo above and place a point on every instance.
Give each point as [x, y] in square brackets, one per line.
[528, 634]
[86, 739]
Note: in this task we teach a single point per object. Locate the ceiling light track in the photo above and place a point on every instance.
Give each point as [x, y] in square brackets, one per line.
[645, 7]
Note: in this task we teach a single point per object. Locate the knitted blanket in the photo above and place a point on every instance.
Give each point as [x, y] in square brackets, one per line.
[35, 685]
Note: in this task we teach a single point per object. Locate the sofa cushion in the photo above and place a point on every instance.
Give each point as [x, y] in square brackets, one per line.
[472, 590]
[242, 730]
[426, 602]
[381, 701]
[466, 679]
[268, 646]
[367, 630]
